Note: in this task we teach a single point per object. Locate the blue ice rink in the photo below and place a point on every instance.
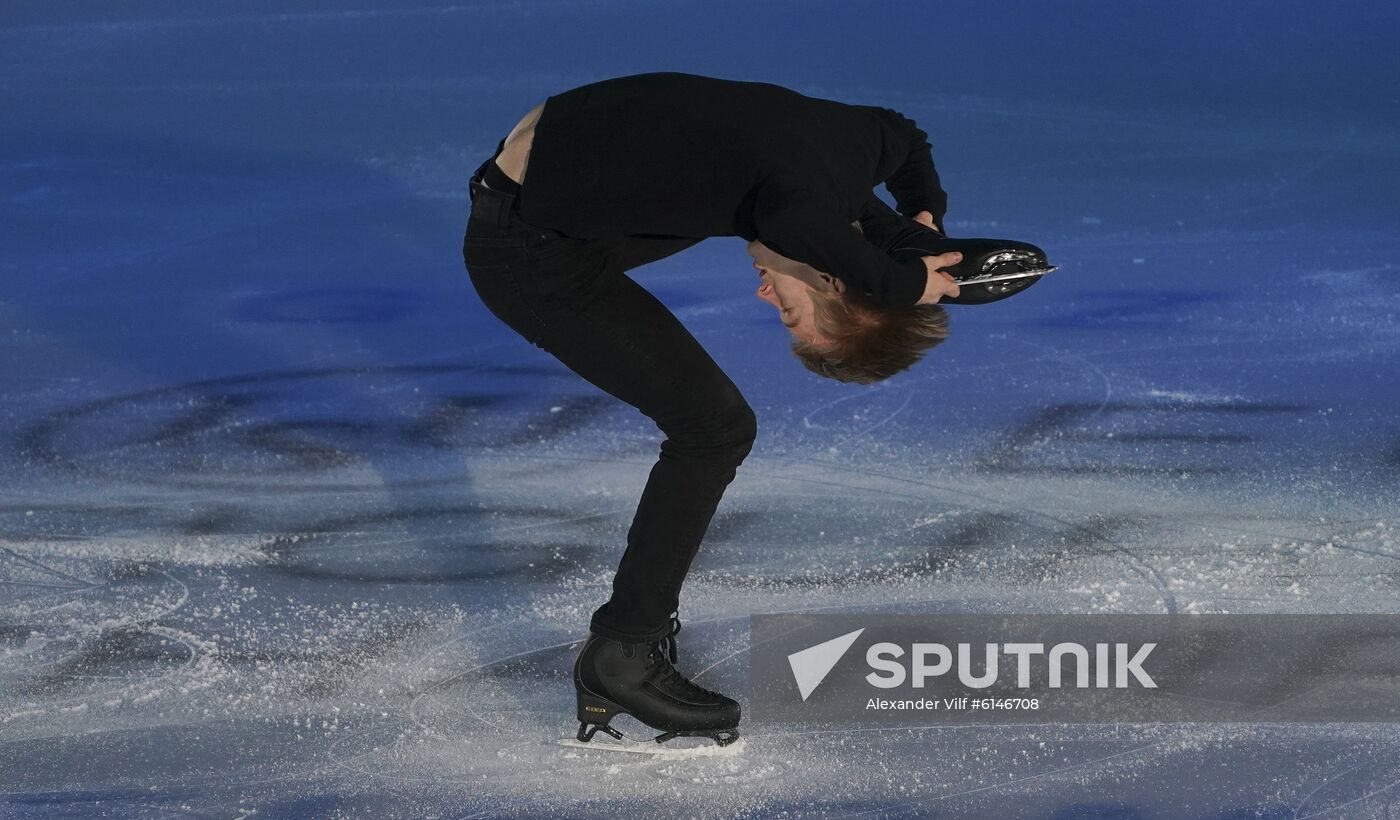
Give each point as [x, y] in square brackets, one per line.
[291, 526]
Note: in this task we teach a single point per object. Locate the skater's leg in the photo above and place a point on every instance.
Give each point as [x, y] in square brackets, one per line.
[619, 337]
[571, 298]
[641, 250]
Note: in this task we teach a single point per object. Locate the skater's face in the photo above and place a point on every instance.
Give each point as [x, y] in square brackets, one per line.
[787, 285]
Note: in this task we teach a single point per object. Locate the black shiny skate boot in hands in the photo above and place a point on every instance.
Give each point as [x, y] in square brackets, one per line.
[641, 680]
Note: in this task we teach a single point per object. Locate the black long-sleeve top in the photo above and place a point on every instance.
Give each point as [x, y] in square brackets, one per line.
[678, 154]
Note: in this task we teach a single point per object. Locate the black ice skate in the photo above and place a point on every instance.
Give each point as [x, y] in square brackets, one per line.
[990, 270]
[640, 679]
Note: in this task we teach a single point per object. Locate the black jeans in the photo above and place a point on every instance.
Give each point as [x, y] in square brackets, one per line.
[570, 297]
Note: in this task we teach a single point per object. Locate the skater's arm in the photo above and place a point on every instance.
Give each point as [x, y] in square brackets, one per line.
[914, 184]
[791, 221]
[885, 228]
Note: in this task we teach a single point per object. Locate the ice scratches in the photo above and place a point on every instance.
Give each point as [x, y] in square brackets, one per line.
[490, 691]
[134, 554]
[21, 570]
[1044, 542]
[1336, 788]
[314, 429]
[94, 633]
[137, 586]
[120, 653]
[443, 544]
[1131, 438]
[966, 540]
[326, 672]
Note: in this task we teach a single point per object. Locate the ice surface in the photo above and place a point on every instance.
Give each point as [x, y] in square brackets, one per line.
[291, 526]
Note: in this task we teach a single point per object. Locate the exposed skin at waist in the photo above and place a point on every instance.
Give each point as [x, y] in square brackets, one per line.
[516, 153]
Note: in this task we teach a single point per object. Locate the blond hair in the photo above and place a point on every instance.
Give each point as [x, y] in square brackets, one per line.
[864, 342]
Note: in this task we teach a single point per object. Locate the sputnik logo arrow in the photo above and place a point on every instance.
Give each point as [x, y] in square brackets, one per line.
[811, 665]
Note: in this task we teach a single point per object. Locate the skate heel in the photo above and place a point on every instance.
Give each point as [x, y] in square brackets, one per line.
[594, 712]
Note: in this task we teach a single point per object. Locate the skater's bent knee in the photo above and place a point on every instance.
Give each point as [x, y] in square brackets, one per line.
[740, 429]
[737, 429]
[727, 431]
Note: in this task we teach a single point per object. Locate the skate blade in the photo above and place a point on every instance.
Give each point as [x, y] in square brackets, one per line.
[662, 750]
[1006, 277]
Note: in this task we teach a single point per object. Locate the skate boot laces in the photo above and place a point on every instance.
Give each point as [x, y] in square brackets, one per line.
[663, 655]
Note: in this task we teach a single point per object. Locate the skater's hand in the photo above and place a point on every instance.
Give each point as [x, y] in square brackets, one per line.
[940, 284]
[926, 218]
